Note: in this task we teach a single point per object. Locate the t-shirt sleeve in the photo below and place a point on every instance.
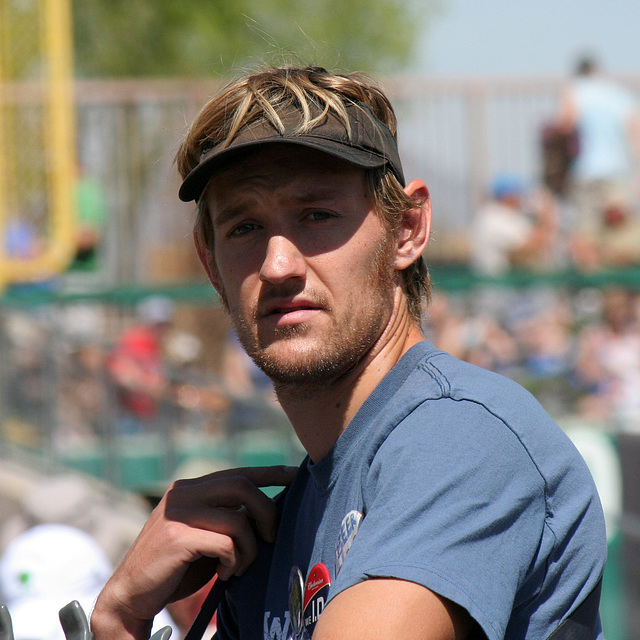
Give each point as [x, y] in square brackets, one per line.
[453, 502]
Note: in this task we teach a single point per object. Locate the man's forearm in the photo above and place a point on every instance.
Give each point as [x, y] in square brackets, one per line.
[108, 624]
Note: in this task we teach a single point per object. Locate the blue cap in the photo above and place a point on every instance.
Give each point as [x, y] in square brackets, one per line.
[506, 184]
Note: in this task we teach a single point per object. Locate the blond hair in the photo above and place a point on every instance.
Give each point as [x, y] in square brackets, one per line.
[313, 92]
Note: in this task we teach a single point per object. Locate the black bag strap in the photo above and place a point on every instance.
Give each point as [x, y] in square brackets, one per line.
[581, 624]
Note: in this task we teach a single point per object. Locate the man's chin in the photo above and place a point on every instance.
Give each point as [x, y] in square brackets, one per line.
[301, 366]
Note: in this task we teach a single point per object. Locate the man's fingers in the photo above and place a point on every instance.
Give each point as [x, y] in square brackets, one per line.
[274, 476]
[227, 535]
[213, 504]
[231, 489]
[232, 560]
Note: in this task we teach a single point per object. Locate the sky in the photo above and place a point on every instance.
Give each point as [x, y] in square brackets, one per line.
[530, 37]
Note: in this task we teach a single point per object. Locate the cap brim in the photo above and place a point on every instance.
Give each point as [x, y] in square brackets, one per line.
[196, 181]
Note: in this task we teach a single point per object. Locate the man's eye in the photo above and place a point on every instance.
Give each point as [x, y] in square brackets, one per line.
[243, 229]
[320, 214]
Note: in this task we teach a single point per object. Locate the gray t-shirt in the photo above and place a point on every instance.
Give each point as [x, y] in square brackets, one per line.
[449, 476]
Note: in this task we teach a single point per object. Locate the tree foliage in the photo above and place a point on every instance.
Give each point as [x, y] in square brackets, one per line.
[116, 38]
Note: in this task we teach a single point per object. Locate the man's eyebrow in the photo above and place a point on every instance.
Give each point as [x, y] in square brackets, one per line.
[315, 195]
[229, 213]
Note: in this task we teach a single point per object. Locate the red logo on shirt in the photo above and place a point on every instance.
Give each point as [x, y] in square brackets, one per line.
[316, 592]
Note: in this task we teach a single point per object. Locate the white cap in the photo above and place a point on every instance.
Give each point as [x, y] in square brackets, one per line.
[45, 568]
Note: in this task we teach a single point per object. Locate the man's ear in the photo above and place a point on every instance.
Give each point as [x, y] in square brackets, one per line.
[206, 259]
[415, 227]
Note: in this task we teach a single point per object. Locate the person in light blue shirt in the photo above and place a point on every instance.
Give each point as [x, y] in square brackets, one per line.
[606, 117]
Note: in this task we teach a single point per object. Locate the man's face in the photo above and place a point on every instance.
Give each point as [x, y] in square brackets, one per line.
[302, 261]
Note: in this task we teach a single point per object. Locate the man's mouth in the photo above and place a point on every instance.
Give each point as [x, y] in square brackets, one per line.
[293, 312]
[292, 309]
[280, 307]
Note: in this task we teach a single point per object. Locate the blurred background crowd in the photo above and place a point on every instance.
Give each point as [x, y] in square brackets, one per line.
[118, 368]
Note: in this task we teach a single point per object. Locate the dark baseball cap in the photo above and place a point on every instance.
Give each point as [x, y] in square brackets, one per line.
[370, 145]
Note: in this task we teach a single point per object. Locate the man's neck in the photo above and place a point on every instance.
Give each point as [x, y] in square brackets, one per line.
[320, 412]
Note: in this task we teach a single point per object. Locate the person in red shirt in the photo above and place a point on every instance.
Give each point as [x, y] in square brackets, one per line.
[136, 365]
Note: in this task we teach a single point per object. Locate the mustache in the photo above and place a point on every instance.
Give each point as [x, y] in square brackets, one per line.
[273, 295]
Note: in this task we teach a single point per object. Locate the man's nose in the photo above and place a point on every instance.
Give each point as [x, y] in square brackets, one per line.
[283, 260]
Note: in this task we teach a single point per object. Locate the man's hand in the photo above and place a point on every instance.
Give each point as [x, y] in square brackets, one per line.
[200, 526]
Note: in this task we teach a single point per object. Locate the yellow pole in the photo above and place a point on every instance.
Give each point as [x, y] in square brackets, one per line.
[4, 77]
[62, 122]
[58, 123]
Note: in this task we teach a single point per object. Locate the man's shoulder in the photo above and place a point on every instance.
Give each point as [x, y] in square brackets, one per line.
[466, 405]
[437, 374]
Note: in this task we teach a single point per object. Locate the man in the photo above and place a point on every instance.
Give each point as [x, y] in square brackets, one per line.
[507, 232]
[438, 500]
[605, 172]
